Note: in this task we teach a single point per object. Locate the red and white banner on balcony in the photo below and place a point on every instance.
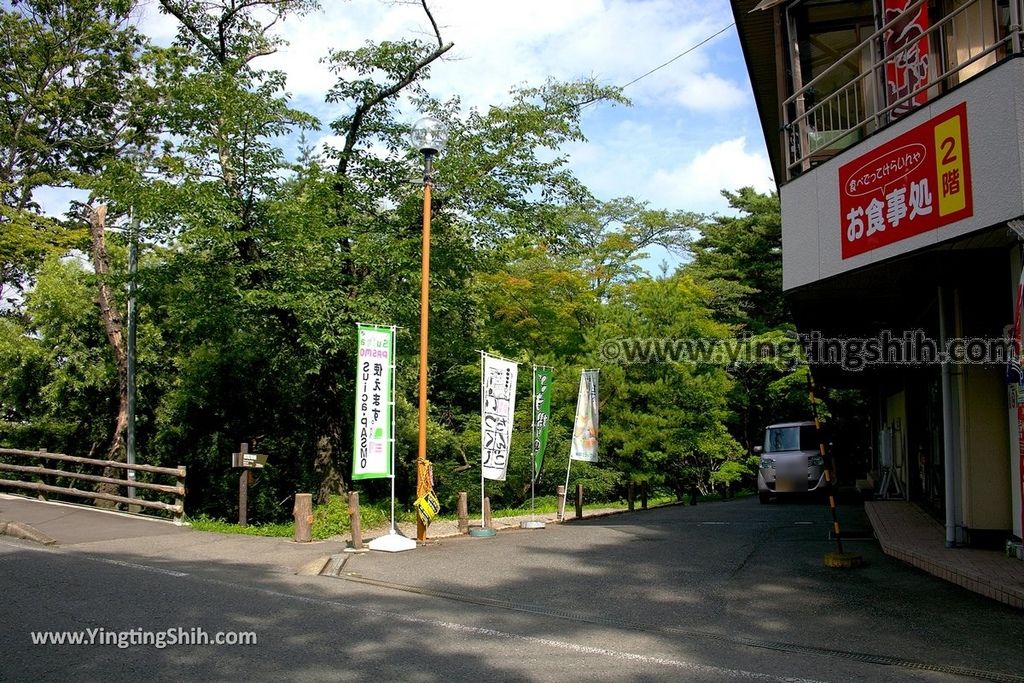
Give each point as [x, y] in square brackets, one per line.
[906, 52]
[914, 183]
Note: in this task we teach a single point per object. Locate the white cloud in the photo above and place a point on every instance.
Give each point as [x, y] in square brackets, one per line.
[498, 45]
[697, 185]
[684, 140]
[710, 93]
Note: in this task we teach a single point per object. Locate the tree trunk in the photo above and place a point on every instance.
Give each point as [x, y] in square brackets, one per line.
[114, 327]
[330, 480]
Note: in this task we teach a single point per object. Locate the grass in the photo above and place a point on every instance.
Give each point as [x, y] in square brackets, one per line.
[332, 519]
[328, 520]
[206, 523]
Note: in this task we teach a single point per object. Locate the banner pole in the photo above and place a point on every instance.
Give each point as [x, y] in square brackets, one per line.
[394, 364]
[561, 513]
[481, 452]
[533, 450]
[392, 542]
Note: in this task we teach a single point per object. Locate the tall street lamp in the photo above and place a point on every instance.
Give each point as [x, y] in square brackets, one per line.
[428, 136]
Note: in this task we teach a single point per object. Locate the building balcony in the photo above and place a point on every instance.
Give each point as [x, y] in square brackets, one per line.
[850, 80]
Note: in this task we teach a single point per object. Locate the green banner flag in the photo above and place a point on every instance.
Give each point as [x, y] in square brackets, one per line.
[371, 456]
[542, 378]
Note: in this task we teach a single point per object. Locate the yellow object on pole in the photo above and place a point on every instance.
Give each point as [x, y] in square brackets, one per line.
[421, 461]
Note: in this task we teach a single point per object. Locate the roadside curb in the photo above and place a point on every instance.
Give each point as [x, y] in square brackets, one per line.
[26, 532]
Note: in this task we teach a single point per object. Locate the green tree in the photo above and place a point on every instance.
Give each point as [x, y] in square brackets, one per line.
[663, 420]
[739, 258]
[69, 74]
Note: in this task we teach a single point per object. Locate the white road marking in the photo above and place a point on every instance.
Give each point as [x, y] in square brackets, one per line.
[133, 565]
[94, 558]
[702, 669]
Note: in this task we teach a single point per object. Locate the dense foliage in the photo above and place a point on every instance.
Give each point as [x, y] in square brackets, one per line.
[254, 269]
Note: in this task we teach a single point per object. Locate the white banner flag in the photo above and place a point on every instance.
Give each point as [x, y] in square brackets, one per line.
[498, 405]
[371, 457]
[584, 430]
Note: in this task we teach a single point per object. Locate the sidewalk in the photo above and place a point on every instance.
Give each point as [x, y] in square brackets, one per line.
[447, 528]
[100, 532]
[93, 531]
[909, 534]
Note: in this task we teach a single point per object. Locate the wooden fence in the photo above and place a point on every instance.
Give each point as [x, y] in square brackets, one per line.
[177, 509]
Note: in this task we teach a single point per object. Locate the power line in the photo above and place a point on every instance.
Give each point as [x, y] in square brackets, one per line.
[587, 103]
[680, 55]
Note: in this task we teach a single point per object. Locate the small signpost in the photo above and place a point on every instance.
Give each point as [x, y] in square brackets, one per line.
[247, 462]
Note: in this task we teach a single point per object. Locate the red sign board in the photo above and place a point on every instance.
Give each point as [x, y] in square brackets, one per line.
[906, 52]
[914, 183]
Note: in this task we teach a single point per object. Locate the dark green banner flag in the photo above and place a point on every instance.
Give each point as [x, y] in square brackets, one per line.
[542, 415]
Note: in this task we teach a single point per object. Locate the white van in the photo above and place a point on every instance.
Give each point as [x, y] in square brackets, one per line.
[791, 460]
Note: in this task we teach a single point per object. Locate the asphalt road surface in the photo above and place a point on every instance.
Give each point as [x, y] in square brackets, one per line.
[717, 592]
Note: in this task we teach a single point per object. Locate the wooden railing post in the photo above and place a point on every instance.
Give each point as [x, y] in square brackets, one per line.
[49, 474]
[643, 495]
[487, 512]
[179, 497]
[560, 492]
[42, 478]
[579, 501]
[630, 495]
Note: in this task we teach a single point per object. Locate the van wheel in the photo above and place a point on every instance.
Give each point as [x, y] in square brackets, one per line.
[764, 498]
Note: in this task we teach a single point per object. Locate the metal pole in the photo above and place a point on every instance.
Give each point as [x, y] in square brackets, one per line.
[394, 364]
[829, 464]
[533, 448]
[1015, 27]
[482, 524]
[948, 432]
[421, 460]
[561, 513]
[133, 268]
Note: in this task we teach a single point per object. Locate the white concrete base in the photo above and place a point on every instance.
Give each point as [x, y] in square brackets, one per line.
[392, 543]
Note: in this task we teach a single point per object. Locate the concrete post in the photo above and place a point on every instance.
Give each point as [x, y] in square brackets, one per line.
[355, 521]
[463, 510]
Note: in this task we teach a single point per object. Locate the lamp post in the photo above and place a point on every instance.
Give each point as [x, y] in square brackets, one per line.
[429, 137]
[133, 315]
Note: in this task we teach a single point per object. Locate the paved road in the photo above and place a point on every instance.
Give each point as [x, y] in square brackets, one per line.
[715, 592]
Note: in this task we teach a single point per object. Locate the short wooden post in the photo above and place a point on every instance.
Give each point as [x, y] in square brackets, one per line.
[355, 520]
[51, 481]
[643, 495]
[630, 495]
[463, 510]
[487, 512]
[243, 498]
[247, 462]
[579, 501]
[179, 497]
[303, 513]
[561, 501]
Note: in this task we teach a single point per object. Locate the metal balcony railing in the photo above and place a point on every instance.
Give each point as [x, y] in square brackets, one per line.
[964, 42]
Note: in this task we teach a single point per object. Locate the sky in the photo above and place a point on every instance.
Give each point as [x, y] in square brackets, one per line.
[691, 131]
